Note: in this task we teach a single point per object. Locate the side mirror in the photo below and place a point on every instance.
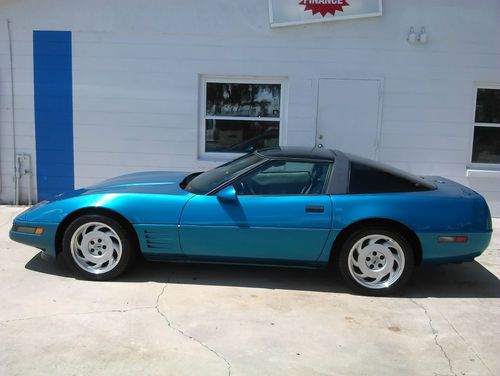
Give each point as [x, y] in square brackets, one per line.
[227, 194]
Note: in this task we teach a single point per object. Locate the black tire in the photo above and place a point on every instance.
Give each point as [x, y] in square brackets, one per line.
[117, 264]
[357, 277]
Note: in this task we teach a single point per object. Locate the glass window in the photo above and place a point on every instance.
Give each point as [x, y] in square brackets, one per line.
[367, 179]
[241, 117]
[251, 100]
[488, 106]
[486, 145]
[486, 141]
[240, 136]
[211, 179]
[285, 178]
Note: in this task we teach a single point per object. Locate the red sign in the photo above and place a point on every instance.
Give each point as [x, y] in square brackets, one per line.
[324, 6]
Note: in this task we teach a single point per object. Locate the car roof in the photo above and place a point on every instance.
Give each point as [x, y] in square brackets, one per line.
[297, 152]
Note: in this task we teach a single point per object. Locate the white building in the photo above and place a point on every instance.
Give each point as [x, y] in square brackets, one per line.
[103, 88]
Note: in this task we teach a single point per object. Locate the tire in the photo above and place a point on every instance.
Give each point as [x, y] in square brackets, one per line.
[376, 261]
[98, 248]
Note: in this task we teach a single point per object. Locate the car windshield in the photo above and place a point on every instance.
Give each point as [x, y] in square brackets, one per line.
[207, 181]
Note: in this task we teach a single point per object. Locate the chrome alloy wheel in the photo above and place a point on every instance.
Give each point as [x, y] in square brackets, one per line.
[96, 248]
[376, 261]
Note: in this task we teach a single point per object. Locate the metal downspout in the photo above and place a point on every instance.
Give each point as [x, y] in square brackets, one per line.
[23, 170]
[15, 177]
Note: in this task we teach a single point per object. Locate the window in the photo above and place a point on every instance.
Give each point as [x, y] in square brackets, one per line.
[367, 179]
[205, 182]
[486, 139]
[285, 178]
[240, 116]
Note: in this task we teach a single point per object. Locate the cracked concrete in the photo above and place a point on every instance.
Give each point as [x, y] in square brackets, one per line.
[76, 313]
[436, 334]
[169, 323]
[164, 319]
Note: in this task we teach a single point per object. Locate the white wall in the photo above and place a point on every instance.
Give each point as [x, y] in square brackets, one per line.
[136, 68]
[24, 107]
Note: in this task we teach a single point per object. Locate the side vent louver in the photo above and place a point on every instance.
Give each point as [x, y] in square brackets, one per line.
[158, 239]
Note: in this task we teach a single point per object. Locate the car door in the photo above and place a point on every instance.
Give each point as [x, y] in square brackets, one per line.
[279, 213]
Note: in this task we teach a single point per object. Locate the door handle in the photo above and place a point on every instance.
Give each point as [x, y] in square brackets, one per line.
[315, 209]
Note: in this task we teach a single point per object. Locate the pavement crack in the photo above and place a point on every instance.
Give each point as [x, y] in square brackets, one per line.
[470, 347]
[184, 334]
[436, 334]
[4, 322]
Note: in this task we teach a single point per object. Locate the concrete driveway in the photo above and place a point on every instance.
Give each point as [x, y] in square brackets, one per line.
[164, 319]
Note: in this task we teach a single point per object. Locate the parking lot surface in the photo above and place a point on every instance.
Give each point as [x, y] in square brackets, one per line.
[185, 319]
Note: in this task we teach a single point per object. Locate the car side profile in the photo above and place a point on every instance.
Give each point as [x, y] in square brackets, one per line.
[278, 206]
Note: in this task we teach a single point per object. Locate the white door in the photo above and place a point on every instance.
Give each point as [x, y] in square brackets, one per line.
[348, 115]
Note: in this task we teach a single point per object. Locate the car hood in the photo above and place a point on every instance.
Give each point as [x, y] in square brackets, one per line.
[154, 182]
[144, 180]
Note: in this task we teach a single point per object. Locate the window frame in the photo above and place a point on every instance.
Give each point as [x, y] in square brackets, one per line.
[205, 79]
[477, 165]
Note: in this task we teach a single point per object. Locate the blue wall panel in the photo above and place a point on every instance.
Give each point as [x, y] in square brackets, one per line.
[53, 112]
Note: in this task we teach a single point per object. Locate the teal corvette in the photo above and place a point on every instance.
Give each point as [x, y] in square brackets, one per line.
[279, 206]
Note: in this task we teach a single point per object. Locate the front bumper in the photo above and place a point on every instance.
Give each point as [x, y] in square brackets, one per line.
[45, 241]
[435, 252]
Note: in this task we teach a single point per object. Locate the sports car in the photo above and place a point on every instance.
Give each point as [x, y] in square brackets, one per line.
[279, 206]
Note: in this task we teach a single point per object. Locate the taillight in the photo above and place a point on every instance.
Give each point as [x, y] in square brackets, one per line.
[453, 239]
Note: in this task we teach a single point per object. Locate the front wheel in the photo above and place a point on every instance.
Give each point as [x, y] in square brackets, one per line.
[376, 261]
[98, 247]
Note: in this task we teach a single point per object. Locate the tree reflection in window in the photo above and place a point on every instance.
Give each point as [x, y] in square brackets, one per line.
[245, 100]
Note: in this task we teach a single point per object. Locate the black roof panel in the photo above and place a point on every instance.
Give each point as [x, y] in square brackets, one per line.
[298, 152]
[390, 170]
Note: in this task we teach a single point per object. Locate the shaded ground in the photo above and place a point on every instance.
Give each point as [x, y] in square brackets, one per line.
[214, 320]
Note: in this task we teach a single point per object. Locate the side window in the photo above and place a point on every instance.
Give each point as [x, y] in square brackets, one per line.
[366, 179]
[486, 141]
[285, 178]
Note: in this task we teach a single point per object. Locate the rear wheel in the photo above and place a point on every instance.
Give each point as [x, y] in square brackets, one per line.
[98, 247]
[376, 261]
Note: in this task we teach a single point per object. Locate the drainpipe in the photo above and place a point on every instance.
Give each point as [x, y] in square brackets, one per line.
[18, 179]
[22, 170]
[15, 177]
[29, 172]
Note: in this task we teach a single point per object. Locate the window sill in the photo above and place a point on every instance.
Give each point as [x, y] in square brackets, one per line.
[492, 172]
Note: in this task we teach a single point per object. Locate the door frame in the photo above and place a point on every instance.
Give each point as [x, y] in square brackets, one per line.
[381, 81]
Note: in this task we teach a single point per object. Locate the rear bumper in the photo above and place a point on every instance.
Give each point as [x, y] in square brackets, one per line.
[435, 252]
[45, 241]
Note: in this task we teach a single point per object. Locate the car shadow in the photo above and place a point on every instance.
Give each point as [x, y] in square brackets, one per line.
[466, 280]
